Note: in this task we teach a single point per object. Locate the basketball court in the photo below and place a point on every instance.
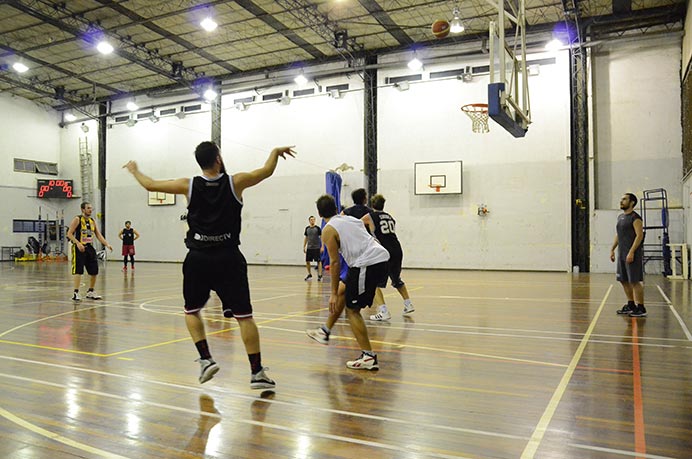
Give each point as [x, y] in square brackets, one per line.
[503, 162]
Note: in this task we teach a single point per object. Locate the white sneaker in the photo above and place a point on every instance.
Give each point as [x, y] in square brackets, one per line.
[382, 315]
[76, 297]
[318, 335]
[92, 295]
[364, 362]
[208, 368]
[408, 309]
[260, 380]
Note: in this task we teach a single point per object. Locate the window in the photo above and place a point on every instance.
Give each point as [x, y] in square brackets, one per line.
[35, 167]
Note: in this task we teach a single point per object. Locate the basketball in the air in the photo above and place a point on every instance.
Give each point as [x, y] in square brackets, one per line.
[440, 28]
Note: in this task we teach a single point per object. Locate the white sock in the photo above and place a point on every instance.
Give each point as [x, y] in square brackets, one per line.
[407, 302]
[382, 308]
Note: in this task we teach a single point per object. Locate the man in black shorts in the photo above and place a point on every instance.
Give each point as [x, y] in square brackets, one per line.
[81, 233]
[367, 261]
[312, 246]
[383, 226]
[214, 261]
[629, 237]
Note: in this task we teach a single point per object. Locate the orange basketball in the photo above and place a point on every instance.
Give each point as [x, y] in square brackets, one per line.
[440, 28]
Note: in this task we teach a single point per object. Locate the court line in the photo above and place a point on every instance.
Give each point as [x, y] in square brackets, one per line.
[6, 332]
[55, 437]
[542, 426]
[617, 451]
[639, 432]
[675, 313]
[293, 405]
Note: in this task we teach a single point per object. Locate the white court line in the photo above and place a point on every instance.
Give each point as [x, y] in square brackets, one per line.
[542, 426]
[675, 313]
[47, 318]
[618, 451]
[293, 405]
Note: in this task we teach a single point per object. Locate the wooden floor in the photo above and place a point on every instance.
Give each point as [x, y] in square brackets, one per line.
[491, 365]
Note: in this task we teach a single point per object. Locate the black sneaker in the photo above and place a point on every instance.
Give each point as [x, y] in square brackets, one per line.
[626, 309]
[638, 311]
[308, 277]
[319, 278]
[260, 380]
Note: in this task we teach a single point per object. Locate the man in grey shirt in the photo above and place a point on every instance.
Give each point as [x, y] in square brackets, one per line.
[312, 245]
[630, 260]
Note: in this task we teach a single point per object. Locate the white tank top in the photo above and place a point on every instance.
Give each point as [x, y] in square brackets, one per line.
[358, 247]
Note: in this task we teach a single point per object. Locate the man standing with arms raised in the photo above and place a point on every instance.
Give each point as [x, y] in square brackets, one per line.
[214, 261]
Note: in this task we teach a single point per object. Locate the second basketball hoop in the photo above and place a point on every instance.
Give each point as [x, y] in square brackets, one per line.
[479, 117]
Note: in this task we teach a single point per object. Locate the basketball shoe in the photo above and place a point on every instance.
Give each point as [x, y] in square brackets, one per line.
[260, 380]
[208, 368]
[319, 335]
[382, 314]
[408, 309]
[92, 295]
[364, 362]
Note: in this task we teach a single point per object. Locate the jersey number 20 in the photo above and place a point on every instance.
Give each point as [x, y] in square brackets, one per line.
[387, 226]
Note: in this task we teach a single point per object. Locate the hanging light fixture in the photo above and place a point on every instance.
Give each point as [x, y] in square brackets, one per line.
[455, 25]
[415, 63]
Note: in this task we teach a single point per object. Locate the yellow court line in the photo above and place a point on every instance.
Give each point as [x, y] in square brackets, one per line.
[55, 437]
[50, 348]
[539, 432]
[208, 334]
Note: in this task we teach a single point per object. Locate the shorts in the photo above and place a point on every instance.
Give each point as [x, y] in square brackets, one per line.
[128, 250]
[223, 270]
[361, 284]
[396, 257]
[87, 259]
[630, 272]
[312, 255]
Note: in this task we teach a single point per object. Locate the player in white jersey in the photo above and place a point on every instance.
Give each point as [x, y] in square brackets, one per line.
[367, 261]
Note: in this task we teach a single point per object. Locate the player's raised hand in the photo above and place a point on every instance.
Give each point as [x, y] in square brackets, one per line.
[282, 151]
[131, 166]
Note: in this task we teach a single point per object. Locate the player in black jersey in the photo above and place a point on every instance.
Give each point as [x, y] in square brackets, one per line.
[214, 261]
[383, 227]
[358, 209]
[128, 235]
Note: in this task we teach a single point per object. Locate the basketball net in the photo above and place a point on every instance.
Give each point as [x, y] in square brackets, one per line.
[436, 187]
[479, 117]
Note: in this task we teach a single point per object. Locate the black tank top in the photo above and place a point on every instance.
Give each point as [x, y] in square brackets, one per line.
[385, 228]
[128, 236]
[213, 214]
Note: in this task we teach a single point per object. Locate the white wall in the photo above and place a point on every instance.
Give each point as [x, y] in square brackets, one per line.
[637, 133]
[29, 132]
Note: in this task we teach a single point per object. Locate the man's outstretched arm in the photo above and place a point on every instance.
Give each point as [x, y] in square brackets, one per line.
[173, 186]
[244, 180]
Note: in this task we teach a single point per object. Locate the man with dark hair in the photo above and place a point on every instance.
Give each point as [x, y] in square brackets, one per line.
[81, 233]
[312, 247]
[367, 261]
[358, 209]
[128, 235]
[383, 227]
[629, 237]
[214, 261]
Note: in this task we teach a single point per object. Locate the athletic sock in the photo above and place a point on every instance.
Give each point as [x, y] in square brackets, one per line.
[255, 362]
[203, 349]
[76, 290]
[370, 353]
[90, 289]
[326, 329]
[630, 303]
[407, 302]
[382, 308]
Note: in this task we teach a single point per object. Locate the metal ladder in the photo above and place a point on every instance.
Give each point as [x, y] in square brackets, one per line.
[655, 223]
[86, 170]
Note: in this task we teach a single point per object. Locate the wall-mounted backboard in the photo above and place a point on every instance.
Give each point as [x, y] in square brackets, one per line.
[442, 177]
[161, 199]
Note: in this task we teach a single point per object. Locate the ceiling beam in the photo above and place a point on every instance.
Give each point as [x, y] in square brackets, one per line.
[386, 21]
[117, 7]
[277, 25]
[60, 17]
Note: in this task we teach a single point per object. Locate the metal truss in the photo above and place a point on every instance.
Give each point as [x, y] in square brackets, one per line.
[58, 15]
[328, 30]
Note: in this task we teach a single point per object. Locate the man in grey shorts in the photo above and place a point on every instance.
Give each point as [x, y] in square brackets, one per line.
[630, 266]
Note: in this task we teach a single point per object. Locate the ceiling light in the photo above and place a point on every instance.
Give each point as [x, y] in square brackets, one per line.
[554, 45]
[133, 107]
[336, 94]
[241, 106]
[209, 24]
[415, 64]
[104, 47]
[455, 25]
[402, 86]
[154, 119]
[301, 80]
[210, 95]
[69, 117]
[19, 67]
[181, 115]
[131, 122]
[285, 100]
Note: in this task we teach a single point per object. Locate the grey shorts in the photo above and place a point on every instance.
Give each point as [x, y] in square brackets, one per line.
[630, 272]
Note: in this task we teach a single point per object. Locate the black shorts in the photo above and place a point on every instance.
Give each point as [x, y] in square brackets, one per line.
[395, 259]
[361, 284]
[223, 270]
[630, 272]
[87, 259]
[312, 255]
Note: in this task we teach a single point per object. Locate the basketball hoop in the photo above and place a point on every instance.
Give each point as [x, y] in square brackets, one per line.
[479, 117]
[435, 187]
